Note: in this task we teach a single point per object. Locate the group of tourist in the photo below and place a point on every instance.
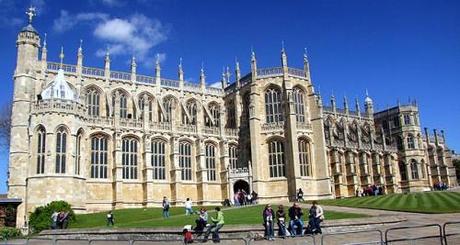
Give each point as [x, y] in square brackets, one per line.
[370, 190]
[201, 222]
[295, 227]
[241, 198]
[59, 220]
[440, 186]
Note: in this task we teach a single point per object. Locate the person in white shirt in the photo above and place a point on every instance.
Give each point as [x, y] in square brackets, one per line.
[188, 207]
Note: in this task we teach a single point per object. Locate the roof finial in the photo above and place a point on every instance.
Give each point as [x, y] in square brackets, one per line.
[282, 46]
[61, 56]
[31, 12]
[202, 68]
[253, 54]
[81, 45]
[157, 61]
[44, 41]
[180, 63]
[367, 93]
[305, 55]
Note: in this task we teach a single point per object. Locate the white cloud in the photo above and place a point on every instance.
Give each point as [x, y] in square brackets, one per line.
[112, 3]
[67, 21]
[135, 35]
[216, 85]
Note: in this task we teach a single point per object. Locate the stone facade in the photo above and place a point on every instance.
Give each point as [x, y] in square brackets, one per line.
[102, 139]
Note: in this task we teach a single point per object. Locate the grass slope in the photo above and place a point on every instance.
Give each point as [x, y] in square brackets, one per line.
[421, 202]
[151, 217]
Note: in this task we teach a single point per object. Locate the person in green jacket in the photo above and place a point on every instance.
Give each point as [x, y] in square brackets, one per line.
[218, 222]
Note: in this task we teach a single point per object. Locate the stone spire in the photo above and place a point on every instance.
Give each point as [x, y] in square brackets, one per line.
[224, 79]
[253, 63]
[333, 105]
[44, 50]
[180, 70]
[237, 72]
[345, 103]
[61, 57]
[133, 65]
[283, 56]
[107, 61]
[358, 109]
[306, 65]
[80, 54]
[157, 71]
[202, 78]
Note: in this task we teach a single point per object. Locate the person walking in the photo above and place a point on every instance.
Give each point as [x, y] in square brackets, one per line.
[300, 195]
[295, 222]
[268, 216]
[188, 207]
[165, 205]
[281, 218]
[110, 219]
[218, 223]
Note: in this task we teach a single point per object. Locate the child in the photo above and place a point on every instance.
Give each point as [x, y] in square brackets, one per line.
[188, 238]
[110, 219]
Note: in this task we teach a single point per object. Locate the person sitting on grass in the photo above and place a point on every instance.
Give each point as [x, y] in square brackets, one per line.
[295, 223]
[218, 223]
[201, 222]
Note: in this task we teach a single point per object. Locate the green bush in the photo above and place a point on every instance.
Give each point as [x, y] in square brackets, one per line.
[7, 233]
[40, 219]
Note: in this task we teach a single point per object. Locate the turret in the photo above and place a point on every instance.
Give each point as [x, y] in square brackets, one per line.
[368, 105]
[28, 44]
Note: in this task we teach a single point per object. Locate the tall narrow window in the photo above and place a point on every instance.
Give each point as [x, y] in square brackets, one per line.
[273, 107]
[78, 153]
[276, 158]
[92, 102]
[167, 113]
[185, 160]
[61, 144]
[123, 104]
[41, 146]
[129, 158]
[158, 160]
[233, 156]
[191, 110]
[304, 158]
[99, 153]
[210, 157]
[231, 117]
[407, 120]
[414, 169]
[145, 103]
[402, 171]
[297, 95]
[410, 142]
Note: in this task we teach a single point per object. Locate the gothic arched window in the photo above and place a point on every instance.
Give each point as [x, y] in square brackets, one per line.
[298, 97]
[402, 171]
[273, 107]
[233, 156]
[210, 157]
[411, 142]
[214, 112]
[93, 102]
[61, 145]
[167, 113]
[192, 111]
[122, 104]
[146, 103]
[78, 153]
[185, 160]
[158, 159]
[414, 169]
[99, 154]
[276, 158]
[304, 157]
[41, 154]
[129, 158]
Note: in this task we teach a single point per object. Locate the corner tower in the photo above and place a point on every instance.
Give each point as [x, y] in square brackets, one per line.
[24, 79]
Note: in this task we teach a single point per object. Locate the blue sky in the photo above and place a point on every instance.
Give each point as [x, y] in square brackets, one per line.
[395, 49]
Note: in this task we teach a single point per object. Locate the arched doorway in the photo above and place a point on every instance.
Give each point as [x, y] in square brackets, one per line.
[241, 185]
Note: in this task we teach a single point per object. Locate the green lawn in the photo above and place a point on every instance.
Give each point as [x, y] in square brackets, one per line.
[421, 202]
[151, 217]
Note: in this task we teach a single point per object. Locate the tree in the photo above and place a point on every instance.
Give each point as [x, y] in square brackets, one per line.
[40, 219]
[5, 126]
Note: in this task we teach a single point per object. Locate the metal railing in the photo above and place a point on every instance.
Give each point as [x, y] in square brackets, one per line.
[439, 234]
[447, 235]
[379, 239]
